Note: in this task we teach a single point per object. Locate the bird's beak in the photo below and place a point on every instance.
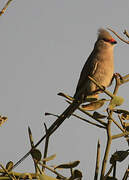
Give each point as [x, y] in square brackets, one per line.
[114, 42]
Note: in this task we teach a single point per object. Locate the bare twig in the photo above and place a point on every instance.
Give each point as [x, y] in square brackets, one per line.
[90, 115]
[126, 33]
[101, 87]
[116, 123]
[9, 175]
[120, 120]
[118, 83]
[127, 42]
[109, 140]
[109, 171]
[79, 117]
[5, 7]
[109, 135]
[52, 170]
[83, 119]
[97, 161]
[46, 147]
[32, 146]
[120, 135]
[126, 175]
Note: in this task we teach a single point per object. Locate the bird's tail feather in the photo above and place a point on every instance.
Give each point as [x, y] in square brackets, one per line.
[67, 113]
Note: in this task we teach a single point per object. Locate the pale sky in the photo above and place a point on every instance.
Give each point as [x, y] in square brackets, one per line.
[44, 45]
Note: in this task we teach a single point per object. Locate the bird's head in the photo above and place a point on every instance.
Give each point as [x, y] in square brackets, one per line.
[105, 39]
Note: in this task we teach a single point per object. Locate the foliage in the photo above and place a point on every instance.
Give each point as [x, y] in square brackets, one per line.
[104, 121]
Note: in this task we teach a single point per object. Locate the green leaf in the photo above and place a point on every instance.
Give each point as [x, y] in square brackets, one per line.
[98, 115]
[119, 156]
[77, 173]
[68, 165]
[116, 101]
[125, 116]
[9, 165]
[121, 111]
[45, 177]
[36, 154]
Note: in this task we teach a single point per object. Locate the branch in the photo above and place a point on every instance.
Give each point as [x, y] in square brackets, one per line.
[109, 140]
[5, 7]
[127, 42]
[90, 115]
[46, 147]
[120, 135]
[101, 87]
[52, 170]
[89, 121]
[32, 146]
[97, 161]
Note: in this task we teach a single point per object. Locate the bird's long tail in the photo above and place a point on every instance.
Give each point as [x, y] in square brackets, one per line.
[67, 113]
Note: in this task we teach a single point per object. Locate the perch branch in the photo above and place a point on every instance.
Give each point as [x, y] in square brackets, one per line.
[46, 147]
[127, 42]
[5, 7]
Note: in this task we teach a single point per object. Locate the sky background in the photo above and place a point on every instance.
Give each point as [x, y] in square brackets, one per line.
[43, 47]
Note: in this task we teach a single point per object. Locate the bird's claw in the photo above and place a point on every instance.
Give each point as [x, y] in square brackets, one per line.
[118, 75]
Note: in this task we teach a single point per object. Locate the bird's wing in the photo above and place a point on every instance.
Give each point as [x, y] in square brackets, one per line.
[89, 69]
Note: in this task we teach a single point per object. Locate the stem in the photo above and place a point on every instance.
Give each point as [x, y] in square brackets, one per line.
[109, 141]
[97, 161]
[46, 147]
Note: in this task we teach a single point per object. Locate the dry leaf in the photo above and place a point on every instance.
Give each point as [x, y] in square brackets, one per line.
[68, 165]
[94, 105]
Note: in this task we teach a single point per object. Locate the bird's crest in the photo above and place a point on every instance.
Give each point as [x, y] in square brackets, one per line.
[103, 34]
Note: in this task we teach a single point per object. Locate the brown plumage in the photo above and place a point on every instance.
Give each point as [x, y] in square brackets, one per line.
[100, 66]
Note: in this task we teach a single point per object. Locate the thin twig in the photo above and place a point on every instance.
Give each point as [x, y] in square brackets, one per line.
[109, 140]
[52, 170]
[9, 175]
[118, 83]
[83, 119]
[109, 136]
[125, 175]
[5, 7]
[120, 120]
[79, 117]
[127, 138]
[109, 171]
[46, 147]
[32, 146]
[90, 115]
[97, 161]
[16, 174]
[127, 42]
[116, 123]
[114, 171]
[101, 87]
[126, 33]
[120, 135]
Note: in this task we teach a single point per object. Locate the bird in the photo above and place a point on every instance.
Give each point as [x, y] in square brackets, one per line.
[99, 66]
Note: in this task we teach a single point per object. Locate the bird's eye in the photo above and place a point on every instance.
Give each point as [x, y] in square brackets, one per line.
[106, 40]
[111, 41]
